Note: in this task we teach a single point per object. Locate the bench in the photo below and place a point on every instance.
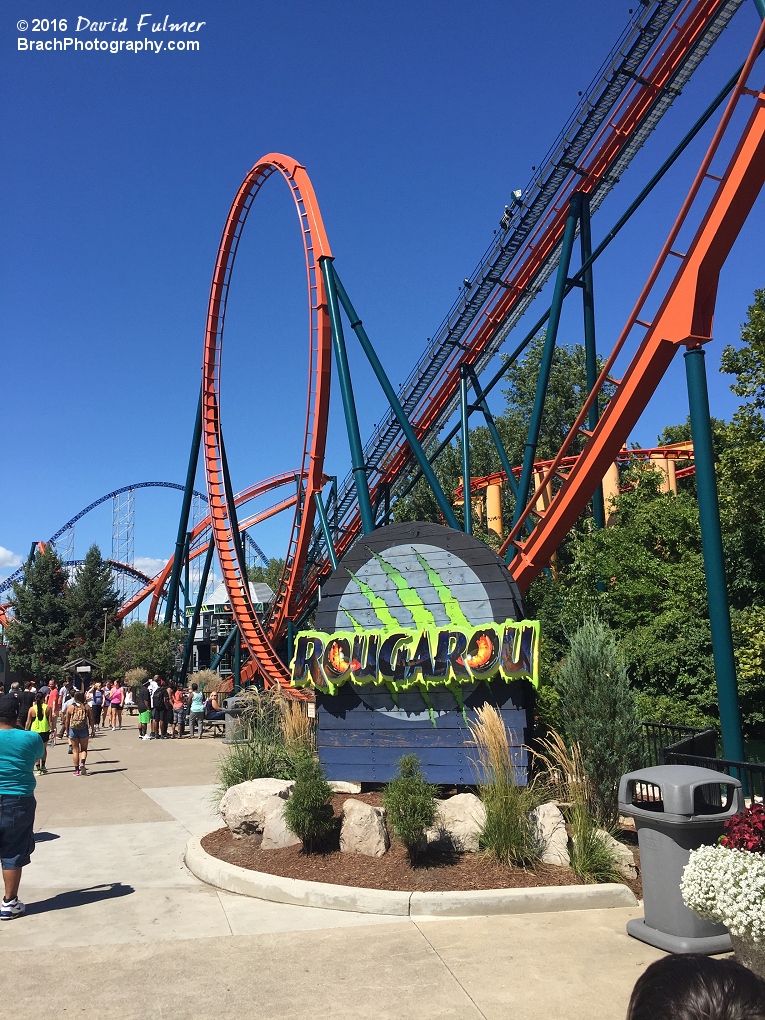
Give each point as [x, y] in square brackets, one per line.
[218, 727]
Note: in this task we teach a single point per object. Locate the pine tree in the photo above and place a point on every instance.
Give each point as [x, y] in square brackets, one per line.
[599, 714]
[40, 634]
[92, 595]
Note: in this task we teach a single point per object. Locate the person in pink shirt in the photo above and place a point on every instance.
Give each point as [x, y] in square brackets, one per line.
[179, 704]
[117, 698]
[54, 703]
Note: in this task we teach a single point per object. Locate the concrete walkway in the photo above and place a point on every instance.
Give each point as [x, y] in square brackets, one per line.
[107, 874]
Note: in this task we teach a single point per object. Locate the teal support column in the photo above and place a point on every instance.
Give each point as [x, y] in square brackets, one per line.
[760, 5]
[183, 523]
[237, 664]
[714, 564]
[325, 529]
[187, 579]
[404, 423]
[233, 633]
[590, 348]
[548, 350]
[349, 406]
[491, 426]
[467, 502]
[189, 646]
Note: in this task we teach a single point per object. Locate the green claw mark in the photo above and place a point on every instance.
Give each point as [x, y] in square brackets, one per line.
[450, 604]
[409, 598]
[356, 625]
[384, 615]
[426, 699]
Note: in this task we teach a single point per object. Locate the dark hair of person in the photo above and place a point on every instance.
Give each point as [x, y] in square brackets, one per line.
[694, 987]
[79, 697]
[39, 698]
[195, 687]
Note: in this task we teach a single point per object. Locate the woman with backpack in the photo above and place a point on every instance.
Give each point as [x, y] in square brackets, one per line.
[39, 720]
[79, 725]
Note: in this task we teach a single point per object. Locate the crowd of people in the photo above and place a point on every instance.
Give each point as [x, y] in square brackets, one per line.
[166, 711]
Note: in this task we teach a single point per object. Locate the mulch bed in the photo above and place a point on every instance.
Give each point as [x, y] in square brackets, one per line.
[434, 872]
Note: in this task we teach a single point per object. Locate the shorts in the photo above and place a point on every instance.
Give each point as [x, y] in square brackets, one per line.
[158, 714]
[79, 734]
[45, 737]
[17, 821]
[178, 714]
[144, 717]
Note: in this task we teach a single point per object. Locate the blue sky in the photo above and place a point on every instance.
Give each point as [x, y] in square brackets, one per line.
[415, 121]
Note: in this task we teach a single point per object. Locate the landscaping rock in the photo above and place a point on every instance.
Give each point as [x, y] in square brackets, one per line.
[244, 807]
[458, 824]
[339, 786]
[276, 834]
[551, 834]
[363, 829]
[624, 858]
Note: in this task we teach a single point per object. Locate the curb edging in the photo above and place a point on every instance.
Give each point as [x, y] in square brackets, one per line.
[260, 885]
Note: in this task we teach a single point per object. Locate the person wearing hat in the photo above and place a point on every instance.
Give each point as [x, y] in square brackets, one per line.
[19, 750]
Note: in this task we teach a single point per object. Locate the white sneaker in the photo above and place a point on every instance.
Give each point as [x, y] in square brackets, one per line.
[146, 737]
[13, 909]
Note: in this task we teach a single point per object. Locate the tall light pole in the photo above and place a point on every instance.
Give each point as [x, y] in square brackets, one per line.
[106, 613]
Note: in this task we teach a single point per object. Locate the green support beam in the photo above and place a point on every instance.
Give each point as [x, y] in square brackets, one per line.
[543, 379]
[714, 563]
[233, 633]
[183, 522]
[325, 529]
[189, 646]
[467, 502]
[358, 466]
[590, 347]
[404, 423]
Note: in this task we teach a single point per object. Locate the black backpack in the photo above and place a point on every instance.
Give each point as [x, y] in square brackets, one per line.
[158, 699]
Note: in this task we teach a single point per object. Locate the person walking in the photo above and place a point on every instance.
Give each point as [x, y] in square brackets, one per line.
[97, 705]
[196, 710]
[19, 750]
[143, 704]
[53, 706]
[79, 725]
[67, 700]
[38, 720]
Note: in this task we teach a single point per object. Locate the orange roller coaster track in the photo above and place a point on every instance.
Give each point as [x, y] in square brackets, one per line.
[259, 639]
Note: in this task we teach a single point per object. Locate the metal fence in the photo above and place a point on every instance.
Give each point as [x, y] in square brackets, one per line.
[666, 744]
[659, 736]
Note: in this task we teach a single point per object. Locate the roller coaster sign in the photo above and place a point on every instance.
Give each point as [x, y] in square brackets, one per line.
[431, 657]
[417, 607]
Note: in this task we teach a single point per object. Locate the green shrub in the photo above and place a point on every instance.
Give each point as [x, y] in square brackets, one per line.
[410, 804]
[592, 859]
[254, 759]
[308, 812]
[508, 834]
[598, 711]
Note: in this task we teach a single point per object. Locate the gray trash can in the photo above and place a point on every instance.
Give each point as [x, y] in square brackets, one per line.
[233, 709]
[676, 808]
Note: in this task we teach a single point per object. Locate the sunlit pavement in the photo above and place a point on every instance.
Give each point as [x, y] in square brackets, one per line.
[108, 872]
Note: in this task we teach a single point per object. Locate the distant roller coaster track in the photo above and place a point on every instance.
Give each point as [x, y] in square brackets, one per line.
[7, 583]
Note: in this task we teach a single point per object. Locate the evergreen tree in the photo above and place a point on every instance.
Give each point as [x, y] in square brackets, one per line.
[599, 714]
[92, 596]
[270, 575]
[40, 635]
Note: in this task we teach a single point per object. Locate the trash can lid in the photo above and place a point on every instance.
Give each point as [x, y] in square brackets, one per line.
[685, 792]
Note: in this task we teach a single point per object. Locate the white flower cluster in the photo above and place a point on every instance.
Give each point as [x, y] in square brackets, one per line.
[727, 886]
